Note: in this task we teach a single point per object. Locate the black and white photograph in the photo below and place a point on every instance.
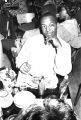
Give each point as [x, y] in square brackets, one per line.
[40, 59]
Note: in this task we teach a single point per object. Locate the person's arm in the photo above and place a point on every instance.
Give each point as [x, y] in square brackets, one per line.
[64, 33]
[62, 62]
[76, 42]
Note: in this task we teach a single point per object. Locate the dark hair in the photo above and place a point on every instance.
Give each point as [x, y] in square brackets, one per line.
[40, 113]
[49, 8]
[66, 7]
[49, 14]
[62, 110]
[59, 111]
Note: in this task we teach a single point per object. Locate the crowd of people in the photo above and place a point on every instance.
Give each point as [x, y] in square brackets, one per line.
[40, 52]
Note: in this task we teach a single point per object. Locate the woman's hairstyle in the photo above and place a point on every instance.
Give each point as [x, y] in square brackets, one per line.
[59, 9]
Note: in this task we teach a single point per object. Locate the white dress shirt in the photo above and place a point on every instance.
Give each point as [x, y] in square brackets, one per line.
[44, 61]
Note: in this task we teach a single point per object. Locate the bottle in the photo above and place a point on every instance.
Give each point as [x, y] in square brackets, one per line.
[41, 87]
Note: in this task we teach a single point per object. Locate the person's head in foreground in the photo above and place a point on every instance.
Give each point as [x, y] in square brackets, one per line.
[53, 109]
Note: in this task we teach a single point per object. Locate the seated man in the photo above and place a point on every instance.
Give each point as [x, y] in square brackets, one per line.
[44, 55]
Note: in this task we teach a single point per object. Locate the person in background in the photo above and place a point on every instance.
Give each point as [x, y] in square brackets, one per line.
[26, 29]
[4, 60]
[14, 45]
[69, 29]
[44, 55]
[8, 27]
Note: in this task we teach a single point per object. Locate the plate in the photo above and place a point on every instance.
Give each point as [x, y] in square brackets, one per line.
[24, 99]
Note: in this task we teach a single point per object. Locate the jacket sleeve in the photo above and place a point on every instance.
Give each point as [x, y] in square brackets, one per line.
[62, 61]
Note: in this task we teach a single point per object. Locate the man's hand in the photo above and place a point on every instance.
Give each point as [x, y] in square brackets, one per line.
[55, 42]
[25, 68]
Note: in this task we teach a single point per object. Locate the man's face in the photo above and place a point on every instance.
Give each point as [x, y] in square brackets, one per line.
[48, 26]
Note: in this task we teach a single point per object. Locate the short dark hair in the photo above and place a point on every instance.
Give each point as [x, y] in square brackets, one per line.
[49, 14]
[49, 8]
